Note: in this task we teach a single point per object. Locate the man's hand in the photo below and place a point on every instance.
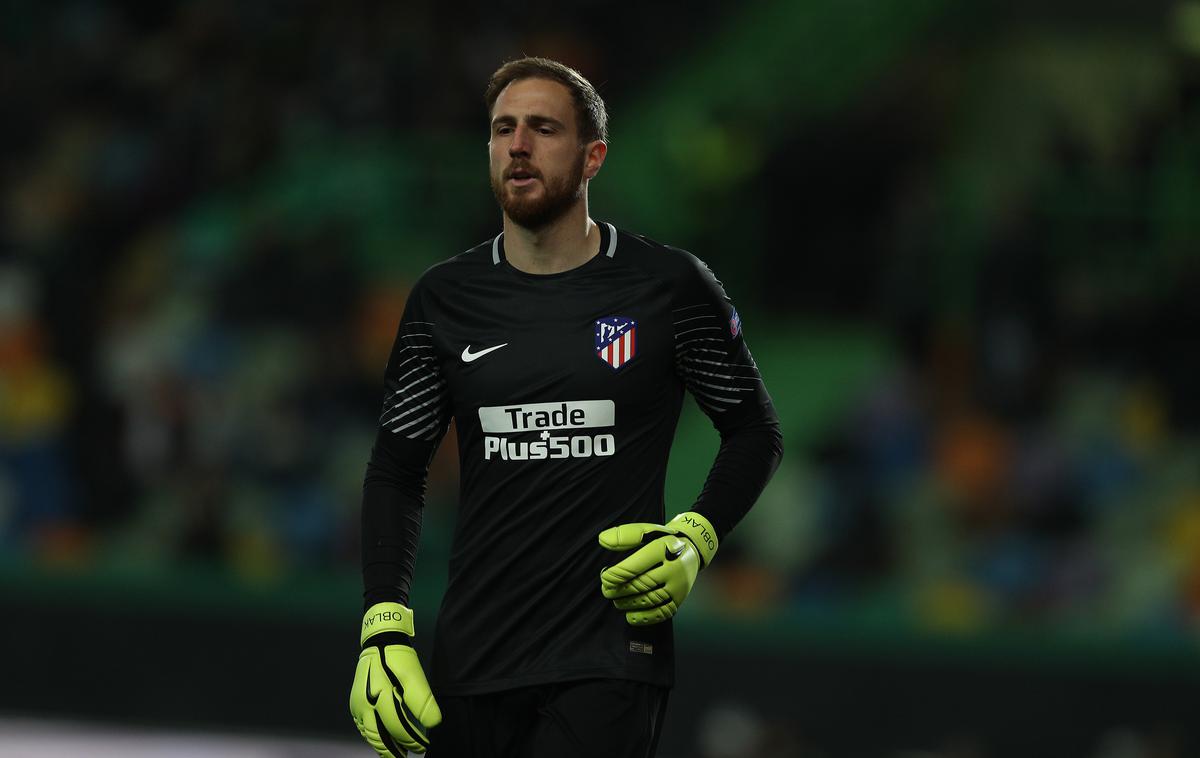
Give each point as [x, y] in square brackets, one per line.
[651, 584]
[390, 700]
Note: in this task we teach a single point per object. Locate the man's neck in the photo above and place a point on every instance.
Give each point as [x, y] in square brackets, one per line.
[568, 243]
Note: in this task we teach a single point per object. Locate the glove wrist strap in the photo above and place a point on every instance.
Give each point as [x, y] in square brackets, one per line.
[697, 529]
[386, 617]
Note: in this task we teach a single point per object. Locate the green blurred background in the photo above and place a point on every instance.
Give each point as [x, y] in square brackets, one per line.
[964, 238]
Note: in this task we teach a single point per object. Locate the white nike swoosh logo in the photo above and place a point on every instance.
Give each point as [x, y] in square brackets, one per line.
[468, 356]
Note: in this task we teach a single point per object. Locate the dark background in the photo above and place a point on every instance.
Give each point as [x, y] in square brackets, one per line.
[964, 239]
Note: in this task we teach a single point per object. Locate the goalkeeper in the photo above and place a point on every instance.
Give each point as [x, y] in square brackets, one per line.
[562, 349]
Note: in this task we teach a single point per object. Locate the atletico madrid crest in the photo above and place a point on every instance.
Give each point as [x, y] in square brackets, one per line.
[616, 340]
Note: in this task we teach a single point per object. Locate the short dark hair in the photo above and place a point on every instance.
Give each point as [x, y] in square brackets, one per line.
[590, 112]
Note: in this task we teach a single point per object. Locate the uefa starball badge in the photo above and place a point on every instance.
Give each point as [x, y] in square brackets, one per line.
[616, 340]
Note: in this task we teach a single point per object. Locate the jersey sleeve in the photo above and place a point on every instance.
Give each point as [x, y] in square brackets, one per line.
[413, 420]
[714, 363]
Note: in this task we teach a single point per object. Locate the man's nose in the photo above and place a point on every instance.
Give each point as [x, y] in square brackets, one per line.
[520, 142]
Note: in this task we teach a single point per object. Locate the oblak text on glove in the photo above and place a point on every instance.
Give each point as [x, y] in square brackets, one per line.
[704, 534]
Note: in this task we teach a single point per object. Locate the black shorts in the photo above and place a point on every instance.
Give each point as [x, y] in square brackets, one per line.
[605, 718]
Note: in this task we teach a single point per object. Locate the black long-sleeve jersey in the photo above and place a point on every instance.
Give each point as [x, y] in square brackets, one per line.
[566, 390]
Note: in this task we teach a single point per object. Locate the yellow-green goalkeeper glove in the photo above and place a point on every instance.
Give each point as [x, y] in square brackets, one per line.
[390, 700]
[651, 584]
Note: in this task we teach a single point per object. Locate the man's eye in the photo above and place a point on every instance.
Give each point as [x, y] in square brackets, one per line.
[545, 130]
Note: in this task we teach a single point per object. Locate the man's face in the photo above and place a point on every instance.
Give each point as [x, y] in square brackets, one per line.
[537, 162]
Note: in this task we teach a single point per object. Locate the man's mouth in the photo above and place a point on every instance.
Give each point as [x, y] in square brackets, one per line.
[521, 177]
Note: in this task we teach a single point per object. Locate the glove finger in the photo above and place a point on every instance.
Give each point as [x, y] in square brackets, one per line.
[655, 615]
[629, 536]
[643, 600]
[364, 715]
[358, 690]
[397, 723]
[394, 728]
[647, 581]
[649, 557]
[633, 565]
[415, 691]
[372, 735]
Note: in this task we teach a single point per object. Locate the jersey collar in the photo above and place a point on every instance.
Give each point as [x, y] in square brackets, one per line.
[608, 245]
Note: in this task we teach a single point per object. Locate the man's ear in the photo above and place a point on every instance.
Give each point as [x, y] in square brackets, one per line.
[596, 152]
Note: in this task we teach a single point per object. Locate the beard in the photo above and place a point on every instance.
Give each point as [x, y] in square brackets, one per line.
[559, 195]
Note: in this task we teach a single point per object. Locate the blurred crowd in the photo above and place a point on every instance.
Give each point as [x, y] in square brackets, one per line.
[167, 395]
[198, 293]
[1085, 510]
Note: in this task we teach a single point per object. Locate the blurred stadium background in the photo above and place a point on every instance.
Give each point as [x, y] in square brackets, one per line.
[965, 240]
